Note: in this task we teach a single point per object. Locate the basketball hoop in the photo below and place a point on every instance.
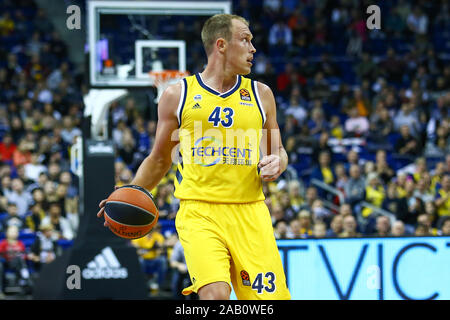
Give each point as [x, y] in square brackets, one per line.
[163, 79]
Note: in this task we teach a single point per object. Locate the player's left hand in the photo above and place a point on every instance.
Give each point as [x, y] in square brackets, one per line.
[270, 167]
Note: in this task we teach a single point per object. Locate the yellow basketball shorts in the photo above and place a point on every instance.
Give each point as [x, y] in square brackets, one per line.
[233, 243]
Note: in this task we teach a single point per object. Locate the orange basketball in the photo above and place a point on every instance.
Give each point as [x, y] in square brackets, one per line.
[131, 212]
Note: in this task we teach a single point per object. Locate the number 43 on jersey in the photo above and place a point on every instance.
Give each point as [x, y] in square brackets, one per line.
[216, 119]
[259, 286]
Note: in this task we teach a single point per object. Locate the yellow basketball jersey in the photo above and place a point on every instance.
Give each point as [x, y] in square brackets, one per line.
[219, 136]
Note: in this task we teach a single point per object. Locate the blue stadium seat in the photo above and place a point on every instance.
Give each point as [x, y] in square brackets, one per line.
[338, 157]
[304, 163]
[347, 73]
[3, 215]
[28, 242]
[277, 52]
[8, 42]
[366, 155]
[399, 161]
[22, 59]
[316, 50]
[65, 244]
[279, 65]
[400, 46]
[432, 161]
[26, 235]
[377, 46]
[439, 43]
[392, 138]
[27, 238]
[333, 81]
[167, 225]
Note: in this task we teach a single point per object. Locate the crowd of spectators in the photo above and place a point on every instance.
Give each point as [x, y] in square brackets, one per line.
[40, 114]
[365, 112]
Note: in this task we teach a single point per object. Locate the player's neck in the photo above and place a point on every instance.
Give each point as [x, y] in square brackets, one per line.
[216, 77]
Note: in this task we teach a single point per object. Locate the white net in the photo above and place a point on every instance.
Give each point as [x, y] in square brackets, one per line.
[163, 79]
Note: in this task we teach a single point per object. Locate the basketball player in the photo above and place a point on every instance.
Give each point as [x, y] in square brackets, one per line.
[223, 223]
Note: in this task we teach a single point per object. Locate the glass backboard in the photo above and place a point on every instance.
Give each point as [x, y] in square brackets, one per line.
[129, 39]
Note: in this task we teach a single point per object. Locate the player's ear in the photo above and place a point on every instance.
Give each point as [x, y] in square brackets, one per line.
[221, 44]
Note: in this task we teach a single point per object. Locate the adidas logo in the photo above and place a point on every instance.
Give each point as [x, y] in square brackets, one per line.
[105, 266]
[196, 106]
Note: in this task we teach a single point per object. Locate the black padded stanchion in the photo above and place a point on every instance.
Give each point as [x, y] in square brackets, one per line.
[99, 265]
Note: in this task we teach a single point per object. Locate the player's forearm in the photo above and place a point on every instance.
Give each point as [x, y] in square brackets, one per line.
[151, 171]
[284, 159]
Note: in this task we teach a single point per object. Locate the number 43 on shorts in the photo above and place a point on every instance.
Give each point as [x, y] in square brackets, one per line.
[259, 286]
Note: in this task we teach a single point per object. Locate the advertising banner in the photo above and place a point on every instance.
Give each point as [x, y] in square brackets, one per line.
[415, 268]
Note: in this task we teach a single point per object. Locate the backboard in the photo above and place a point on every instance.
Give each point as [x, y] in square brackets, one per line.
[129, 39]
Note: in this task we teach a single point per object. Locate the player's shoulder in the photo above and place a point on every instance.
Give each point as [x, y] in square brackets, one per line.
[171, 96]
[176, 89]
[173, 90]
[263, 89]
[170, 99]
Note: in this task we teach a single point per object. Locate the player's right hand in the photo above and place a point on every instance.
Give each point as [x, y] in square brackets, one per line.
[102, 210]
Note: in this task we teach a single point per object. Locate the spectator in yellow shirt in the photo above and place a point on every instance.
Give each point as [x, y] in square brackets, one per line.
[152, 255]
[295, 194]
[436, 178]
[6, 24]
[420, 168]
[401, 183]
[374, 193]
[442, 200]
[325, 173]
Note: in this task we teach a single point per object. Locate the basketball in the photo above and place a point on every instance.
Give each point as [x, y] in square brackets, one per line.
[131, 212]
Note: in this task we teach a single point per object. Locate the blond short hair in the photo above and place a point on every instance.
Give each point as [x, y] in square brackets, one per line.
[218, 26]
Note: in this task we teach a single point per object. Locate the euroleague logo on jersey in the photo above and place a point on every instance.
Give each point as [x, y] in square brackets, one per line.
[245, 278]
[245, 95]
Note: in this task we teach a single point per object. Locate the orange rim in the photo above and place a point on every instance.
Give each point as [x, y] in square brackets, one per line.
[168, 74]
